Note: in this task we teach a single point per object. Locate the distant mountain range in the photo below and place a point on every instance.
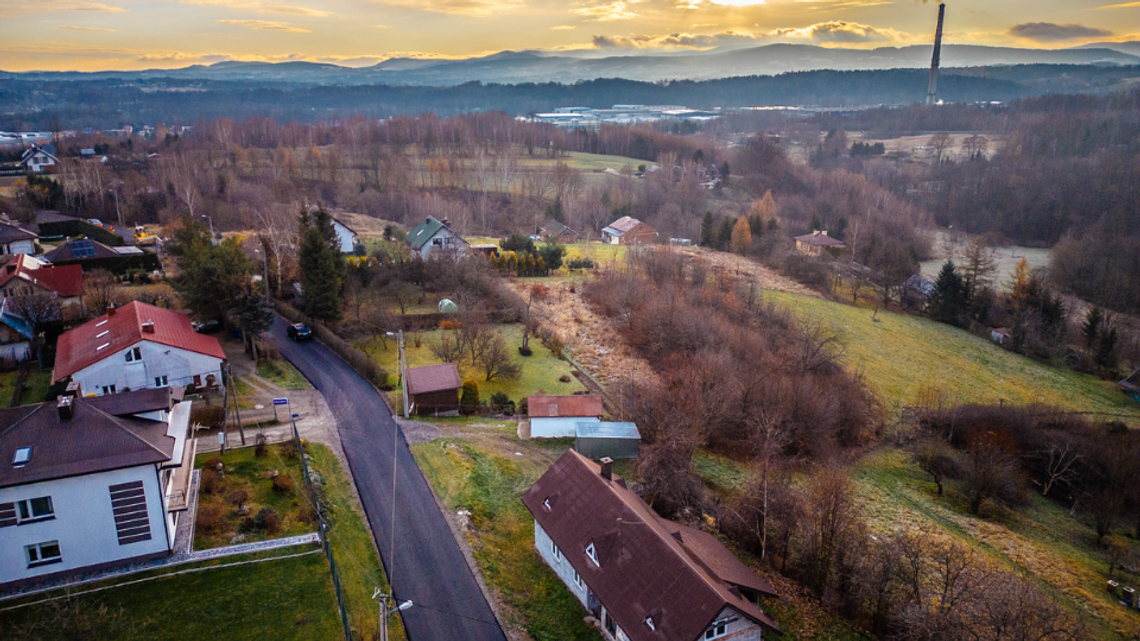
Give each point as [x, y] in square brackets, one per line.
[511, 67]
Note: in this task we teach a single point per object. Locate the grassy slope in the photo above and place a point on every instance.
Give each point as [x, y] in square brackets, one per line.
[282, 374]
[489, 486]
[901, 356]
[541, 370]
[293, 598]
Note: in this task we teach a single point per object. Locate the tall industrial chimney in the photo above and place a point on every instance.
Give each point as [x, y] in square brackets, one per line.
[933, 88]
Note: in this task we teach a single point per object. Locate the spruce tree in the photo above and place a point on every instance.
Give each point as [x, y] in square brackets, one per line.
[948, 299]
[707, 238]
[322, 268]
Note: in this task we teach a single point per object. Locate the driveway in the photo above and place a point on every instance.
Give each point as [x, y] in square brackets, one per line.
[427, 565]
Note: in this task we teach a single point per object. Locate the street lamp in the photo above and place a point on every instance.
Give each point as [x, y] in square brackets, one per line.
[265, 261]
[399, 335]
[211, 221]
[386, 612]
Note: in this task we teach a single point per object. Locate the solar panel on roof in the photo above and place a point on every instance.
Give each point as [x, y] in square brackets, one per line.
[82, 249]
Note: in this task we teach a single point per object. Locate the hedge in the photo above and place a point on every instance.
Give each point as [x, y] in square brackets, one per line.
[80, 227]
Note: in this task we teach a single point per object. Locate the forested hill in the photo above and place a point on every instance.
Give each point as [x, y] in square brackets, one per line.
[110, 102]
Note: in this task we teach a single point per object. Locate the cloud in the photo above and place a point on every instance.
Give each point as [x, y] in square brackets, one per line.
[265, 25]
[1126, 5]
[563, 27]
[296, 11]
[738, 3]
[604, 12]
[673, 40]
[1052, 32]
[843, 4]
[839, 31]
[74, 28]
[247, 5]
[71, 5]
[478, 8]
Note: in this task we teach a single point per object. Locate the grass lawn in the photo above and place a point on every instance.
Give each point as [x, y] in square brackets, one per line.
[601, 253]
[489, 486]
[247, 472]
[283, 599]
[282, 374]
[7, 388]
[541, 370]
[353, 549]
[1039, 540]
[37, 385]
[901, 357]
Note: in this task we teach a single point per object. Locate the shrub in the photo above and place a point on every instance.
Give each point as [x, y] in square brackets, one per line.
[289, 449]
[523, 407]
[213, 462]
[260, 450]
[211, 482]
[239, 498]
[469, 401]
[282, 484]
[209, 519]
[501, 403]
[266, 519]
[580, 263]
[555, 346]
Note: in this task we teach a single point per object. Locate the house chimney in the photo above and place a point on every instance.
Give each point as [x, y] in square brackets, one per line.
[824, 232]
[148, 327]
[63, 404]
[932, 90]
[74, 389]
[607, 468]
[446, 223]
[110, 310]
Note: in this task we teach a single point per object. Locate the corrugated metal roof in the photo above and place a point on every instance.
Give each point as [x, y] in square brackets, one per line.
[558, 406]
[423, 232]
[607, 429]
[78, 348]
[624, 224]
[433, 378]
[647, 566]
[65, 280]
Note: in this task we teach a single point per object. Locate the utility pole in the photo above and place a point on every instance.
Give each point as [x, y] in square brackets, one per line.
[237, 413]
[386, 611]
[403, 370]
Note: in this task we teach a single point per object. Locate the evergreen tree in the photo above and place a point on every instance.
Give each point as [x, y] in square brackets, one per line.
[551, 254]
[555, 211]
[724, 236]
[1091, 327]
[322, 268]
[948, 300]
[707, 238]
[212, 276]
[1106, 349]
[469, 400]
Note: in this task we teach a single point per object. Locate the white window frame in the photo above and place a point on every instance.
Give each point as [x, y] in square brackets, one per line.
[718, 629]
[592, 552]
[578, 580]
[161, 381]
[556, 552]
[22, 456]
[134, 355]
[34, 553]
[26, 511]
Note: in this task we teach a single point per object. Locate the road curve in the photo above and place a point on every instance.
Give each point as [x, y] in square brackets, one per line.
[428, 566]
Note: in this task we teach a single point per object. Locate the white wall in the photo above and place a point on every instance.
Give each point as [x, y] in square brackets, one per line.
[449, 245]
[561, 567]
[178, 365]
[84, 524]
[742, 629]
[21, 247]
[345, 238]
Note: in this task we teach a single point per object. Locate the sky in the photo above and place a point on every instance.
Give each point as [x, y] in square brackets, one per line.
[133, 34]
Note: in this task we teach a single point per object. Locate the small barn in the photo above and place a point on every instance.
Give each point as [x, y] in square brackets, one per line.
[597, 439]
[434, 389]
[558, 416]
[815, 243]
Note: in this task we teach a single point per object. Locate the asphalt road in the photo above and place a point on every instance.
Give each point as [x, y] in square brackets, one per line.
[427, 566]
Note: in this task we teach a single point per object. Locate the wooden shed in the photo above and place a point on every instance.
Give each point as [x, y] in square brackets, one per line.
[434, 389]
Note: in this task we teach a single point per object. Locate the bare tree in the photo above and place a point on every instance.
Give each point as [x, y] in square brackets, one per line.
[1058, 461]
[940, 142]
[496, 362]
[101, 290]
[39, 309]
[989, 472]
[935, 457]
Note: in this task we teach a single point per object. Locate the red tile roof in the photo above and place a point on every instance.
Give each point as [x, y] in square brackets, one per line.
[78, 348]
[65, 280]
[647, 566]
[433, 378]
[554, 406]
[624, 224]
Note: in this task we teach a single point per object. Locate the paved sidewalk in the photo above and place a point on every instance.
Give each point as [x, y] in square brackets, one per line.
[180, 559]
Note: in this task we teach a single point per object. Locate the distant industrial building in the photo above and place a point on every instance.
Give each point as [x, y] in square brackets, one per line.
[589, 118]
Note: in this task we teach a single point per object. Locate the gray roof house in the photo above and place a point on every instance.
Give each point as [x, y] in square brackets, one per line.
[434, 238]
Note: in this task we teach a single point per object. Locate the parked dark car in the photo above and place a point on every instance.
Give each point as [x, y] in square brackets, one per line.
[300, 332]
[207, 327]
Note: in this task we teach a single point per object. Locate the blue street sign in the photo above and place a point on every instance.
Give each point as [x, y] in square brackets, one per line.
[296, 416]
[280, 401]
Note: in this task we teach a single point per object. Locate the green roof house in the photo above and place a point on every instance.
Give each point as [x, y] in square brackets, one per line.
[434, 239]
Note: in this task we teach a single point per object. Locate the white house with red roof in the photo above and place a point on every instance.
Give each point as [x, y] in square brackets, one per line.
[135, 347]
[24, 275]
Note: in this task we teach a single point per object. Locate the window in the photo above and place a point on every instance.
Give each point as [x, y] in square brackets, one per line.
[546, 504]
[649, 622]
[33, 510]
[577, 580]
[23, 455]
[108, 389]
[556, 552]
[611, 625]
[103, 333]
[101, 323]
[160, 381]
[44, 553]
[134, 354]
[102, 347]
[717, 630]
[592, 552]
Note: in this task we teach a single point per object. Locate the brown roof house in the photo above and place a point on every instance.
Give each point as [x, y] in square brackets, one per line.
[643, 577]
[434, 389]
[628, 231]
[814, 243]
[91, 482]
[558, 416]
[552, 230]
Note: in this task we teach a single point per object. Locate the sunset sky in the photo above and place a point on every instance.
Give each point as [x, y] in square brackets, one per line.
[130, 34]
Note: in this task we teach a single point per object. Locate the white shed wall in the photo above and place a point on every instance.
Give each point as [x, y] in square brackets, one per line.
[84, 524]
[345, 238]
[558, 427]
